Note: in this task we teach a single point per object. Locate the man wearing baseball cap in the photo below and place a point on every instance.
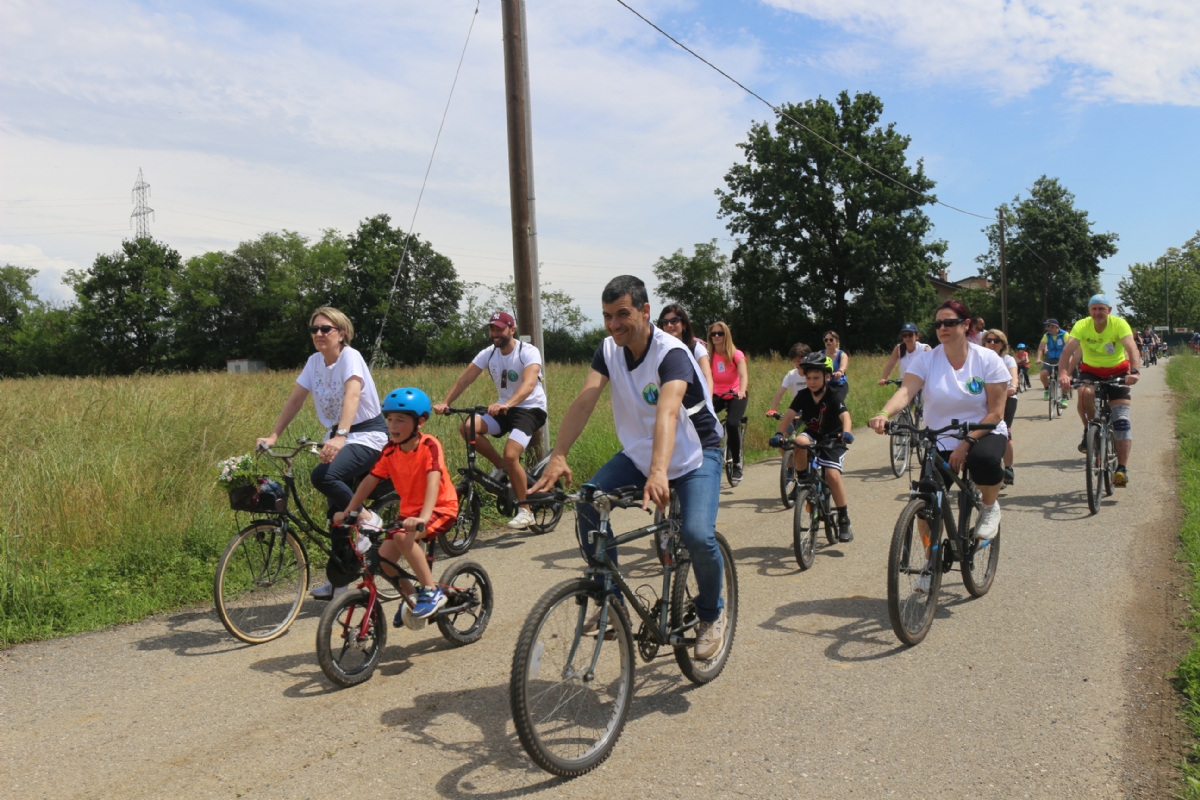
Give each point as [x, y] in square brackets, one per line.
[1105, 344]
[516, 369]
[1049, 353]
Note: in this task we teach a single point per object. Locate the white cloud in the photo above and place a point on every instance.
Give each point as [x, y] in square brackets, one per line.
[1130, 51]
[48, 282]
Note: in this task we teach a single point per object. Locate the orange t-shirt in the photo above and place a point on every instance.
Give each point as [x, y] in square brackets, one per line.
[408, 472]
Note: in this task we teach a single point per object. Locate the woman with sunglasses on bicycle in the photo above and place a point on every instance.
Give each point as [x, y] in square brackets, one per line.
[902, 354]
[348, 408]
[839, 387]
[997, 342]
[674, 320]
[730, 381]
[965, 382]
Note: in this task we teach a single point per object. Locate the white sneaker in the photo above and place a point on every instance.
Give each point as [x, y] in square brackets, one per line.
[989, 521]
[362, 544]
[368, 520]
[922, 586]
[322, 592]
[522, 520]
[710, 638]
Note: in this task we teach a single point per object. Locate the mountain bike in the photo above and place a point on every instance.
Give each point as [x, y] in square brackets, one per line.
[919, 556]
[726, 454]
[1101, 455]
[813, 503]
[262, 576]
[572, 684]
[1022, 380]
[1056, 399]
[475, 482]
[901, 446]
[353, 629]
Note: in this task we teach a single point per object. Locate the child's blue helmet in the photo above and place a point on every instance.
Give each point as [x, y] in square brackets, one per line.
[409, 399]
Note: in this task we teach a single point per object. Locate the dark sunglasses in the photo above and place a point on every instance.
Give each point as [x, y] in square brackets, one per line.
[716, 333]
[948, 323]
[991, 340]
[665, 321]
[831, 340]
[322, 328]
[902, 336]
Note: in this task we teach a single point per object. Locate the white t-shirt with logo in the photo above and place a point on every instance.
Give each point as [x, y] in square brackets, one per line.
[958, 394]
[508, 370]
[327, 384]
[793, 382]
[1009, 363]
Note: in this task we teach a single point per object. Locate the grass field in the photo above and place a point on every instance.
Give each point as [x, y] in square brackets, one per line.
[110, 507]
[1183, 376]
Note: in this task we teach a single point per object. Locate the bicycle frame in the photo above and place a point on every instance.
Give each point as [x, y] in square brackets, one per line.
[471, 473]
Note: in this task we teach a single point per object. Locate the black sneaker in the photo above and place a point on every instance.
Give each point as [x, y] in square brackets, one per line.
[1083, 442]
[1009, 477]
[737, 473]
[844, 532]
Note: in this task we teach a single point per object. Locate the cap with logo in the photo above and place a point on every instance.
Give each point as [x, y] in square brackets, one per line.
[909, 327]
[502, 318]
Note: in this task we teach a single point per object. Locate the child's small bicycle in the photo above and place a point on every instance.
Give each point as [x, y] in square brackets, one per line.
[353, 629]
[812, 502]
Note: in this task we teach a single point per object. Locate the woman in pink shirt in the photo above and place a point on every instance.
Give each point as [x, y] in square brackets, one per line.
[730, 381]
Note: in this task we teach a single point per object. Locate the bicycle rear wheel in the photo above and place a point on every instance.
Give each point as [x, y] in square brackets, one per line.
[727, 460]
[260, 582]
[1110, 461]
[684, 590]
[459, 539]
[787, 480]
[804, 529]
[568, 715]
[468, 605]
[914, 576]
[1094, 468]
[346, 657]
[901, 445]
[983, 555]
[545, 518]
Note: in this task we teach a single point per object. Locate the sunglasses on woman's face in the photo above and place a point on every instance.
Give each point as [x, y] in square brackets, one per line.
[827, 341]
[948, 323]
[990, 340]
[715, 334]
[665, 321]
[325, 329]
[907, 335]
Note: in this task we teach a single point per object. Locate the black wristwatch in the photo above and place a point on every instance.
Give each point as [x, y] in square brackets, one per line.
[1135, 371]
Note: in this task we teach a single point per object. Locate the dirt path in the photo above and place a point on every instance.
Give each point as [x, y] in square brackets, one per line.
[1050, 686]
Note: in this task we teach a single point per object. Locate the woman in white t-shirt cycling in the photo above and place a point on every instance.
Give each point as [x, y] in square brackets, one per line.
[347, 406]
[997, 342]
[969, 383]
[673, 319]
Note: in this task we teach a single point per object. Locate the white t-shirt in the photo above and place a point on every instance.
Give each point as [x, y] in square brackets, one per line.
[328, 387]
[508, 370]
[958, 394]
[699, 351]
[1009, 363]
[906, 357]
[793, 382]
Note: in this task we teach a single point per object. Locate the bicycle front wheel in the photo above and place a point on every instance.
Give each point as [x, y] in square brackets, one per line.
[914, 575]
[901, 446]
[469, 608]
[804, 529]
[458, 540]
[260, 582]
[1094, 469]
[787, 480]
[347, 653]
[983, 555]
[685, 621]
[570, 691]
[1110, 461]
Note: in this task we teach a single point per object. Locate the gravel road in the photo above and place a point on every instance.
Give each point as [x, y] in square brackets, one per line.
[1051, 686]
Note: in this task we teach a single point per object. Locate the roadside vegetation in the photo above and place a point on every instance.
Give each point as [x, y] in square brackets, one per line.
[1183, 376]
[111, 512]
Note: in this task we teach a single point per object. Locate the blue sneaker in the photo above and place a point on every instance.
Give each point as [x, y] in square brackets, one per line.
[428, 602]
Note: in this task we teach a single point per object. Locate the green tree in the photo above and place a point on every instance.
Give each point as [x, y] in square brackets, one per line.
[426, 297]
[700, 283]
[49, 342]
[124, 306]
[560, 312]
[1174, 279]
[16, 301]
[849, 247]
[1052, 256]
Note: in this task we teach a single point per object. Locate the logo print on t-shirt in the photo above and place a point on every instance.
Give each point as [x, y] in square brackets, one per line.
[512, 374]
[720, 366]
[975, 385]
[650, 394]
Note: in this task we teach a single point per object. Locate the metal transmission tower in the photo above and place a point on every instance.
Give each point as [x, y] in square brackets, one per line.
[141, 211]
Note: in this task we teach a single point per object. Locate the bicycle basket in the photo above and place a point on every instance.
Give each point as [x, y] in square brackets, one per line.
[264, 495]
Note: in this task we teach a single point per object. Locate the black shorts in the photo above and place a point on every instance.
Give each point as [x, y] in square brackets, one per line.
[985, 460]
[524, 420]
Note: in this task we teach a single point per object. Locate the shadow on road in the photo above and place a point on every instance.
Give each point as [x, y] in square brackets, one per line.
[761, 505]
[1058, 507]
[200, 633]
[781, 560]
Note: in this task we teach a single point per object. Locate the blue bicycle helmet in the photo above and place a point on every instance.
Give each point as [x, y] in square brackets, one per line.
[409, 399]
[1021, 347]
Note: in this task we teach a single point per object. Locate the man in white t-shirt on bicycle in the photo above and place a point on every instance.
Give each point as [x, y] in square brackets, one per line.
[516, 369]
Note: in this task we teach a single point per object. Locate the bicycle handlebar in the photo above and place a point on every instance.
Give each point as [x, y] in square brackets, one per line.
[893, 382]
[1119, 380]
[478, 411]
[956, 429]
[303, 443]
[827, 441]
[589, 494]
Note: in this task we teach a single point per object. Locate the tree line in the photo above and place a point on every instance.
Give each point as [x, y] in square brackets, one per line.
[1167, 291]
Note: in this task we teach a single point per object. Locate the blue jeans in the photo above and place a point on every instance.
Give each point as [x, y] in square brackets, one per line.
[333, 480]
[699, 495]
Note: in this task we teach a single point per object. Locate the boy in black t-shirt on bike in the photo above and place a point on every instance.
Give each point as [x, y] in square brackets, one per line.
[820, 414]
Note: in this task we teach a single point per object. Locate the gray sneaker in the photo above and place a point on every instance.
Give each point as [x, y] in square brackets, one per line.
[710, 638]
[989, 522]
[498, 474]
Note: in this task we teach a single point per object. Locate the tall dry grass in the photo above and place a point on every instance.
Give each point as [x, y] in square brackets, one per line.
[110, 511]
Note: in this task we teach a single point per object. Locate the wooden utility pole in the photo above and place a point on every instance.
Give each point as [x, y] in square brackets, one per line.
[1003, 278]
[520, 181]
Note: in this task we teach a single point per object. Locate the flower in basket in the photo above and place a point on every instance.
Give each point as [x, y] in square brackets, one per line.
[236, 471]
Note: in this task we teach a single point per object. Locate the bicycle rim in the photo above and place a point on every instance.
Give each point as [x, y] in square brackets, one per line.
[804, 534]
[1110, 461]
[459, 538]
[1094, 468]
[983, 555]
[567, 720]
[345, 658]
[787, 480]
[913, 557]
[260, 583]
[684, 619]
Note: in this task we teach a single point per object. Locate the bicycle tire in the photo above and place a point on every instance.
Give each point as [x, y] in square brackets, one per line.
[567, 725]
[1094, 467]
[344, 660]
[458, 540]
[1110, 461]
[683, 613]
[727, 460]
[983, 556]
[787, 480]
[260, 582]
[900, 446]
[828, 514]
[466, 578]
[911, 612]
[546, 518]
[388, 508]
[804, 533]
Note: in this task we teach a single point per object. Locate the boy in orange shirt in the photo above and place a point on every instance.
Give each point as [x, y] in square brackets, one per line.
[416, 465]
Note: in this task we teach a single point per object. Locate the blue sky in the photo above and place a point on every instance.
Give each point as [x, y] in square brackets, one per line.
[255, 116]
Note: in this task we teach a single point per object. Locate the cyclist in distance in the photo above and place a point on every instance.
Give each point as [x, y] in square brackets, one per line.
[975, 334]
[969, 383]
[838, 361]
[1022, 364]
[902, 354]
[793, 381]
[347, 405]
[674, 320]
[516, 369]
[1102, 344]
[997, 342]
[821, 414]
[1049, 353]
[730, 378]
[669, 433]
